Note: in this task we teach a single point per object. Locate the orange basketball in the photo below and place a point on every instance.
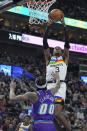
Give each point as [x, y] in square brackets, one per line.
[56, 15]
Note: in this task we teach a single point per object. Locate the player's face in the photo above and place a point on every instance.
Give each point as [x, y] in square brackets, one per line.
[26, 119]
[57, 51]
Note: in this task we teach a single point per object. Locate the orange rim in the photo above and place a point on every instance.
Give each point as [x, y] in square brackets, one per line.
[39, 3]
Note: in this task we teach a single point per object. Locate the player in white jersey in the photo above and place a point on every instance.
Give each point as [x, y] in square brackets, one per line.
[25, 125]
[58, 62]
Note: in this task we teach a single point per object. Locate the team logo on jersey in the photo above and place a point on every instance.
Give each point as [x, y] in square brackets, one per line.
[47, 97]
[53, 61]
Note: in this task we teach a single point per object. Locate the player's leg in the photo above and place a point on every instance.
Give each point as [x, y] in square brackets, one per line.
[60, 116]
[59, 99]
[57, 124]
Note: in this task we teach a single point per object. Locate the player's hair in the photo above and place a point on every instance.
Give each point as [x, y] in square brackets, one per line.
[40, 82]
[27, 116]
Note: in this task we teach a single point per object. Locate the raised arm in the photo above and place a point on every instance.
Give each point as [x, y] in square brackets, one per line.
[57, 85]
[31, 96]
[46, 46]
[45, 36]
[66, 46]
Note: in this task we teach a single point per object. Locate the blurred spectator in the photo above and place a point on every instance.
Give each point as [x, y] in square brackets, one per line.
[80, 115]
[2, 73]
[22, 115]
[5, 127]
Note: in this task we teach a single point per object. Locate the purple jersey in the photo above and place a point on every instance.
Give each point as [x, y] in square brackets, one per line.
[43, 109]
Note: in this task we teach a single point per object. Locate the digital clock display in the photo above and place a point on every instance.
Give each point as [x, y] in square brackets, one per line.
[13, 36]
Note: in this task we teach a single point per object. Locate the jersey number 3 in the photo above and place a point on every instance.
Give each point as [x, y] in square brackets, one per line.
[57, 69]
[45, 108]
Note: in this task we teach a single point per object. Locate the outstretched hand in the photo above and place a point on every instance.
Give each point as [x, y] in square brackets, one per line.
[13, 85]
[57, 85]
[56, 76]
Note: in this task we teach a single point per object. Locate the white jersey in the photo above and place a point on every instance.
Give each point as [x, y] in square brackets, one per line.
[23, 128]
[56, 64]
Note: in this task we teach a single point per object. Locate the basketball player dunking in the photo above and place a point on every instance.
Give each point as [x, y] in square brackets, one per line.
[57, 62]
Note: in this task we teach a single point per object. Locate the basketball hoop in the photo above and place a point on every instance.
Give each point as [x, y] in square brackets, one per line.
[38, 11]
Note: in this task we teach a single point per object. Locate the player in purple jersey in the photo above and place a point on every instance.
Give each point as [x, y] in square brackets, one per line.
[43, 101]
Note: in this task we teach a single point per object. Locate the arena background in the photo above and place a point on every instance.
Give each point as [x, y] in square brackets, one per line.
[22, 58]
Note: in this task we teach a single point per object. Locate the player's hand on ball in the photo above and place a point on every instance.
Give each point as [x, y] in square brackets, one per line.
[49, 22]
[54, 0]
[13, 85]
[63, 22]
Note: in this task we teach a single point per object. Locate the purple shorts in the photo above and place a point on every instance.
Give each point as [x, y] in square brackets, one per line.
[44, 126]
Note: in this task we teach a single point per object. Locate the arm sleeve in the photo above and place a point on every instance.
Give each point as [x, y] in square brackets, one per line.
[67, 45]
[45, 43]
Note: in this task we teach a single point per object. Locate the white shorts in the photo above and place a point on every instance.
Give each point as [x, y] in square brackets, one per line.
[61, 93]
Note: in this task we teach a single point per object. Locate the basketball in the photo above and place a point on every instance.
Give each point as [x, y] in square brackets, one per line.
[56, 15]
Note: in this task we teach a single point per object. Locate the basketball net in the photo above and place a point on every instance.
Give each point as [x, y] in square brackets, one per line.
[38, 11]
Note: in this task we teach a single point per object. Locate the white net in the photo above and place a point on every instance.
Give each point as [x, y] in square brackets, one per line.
[38, 11]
